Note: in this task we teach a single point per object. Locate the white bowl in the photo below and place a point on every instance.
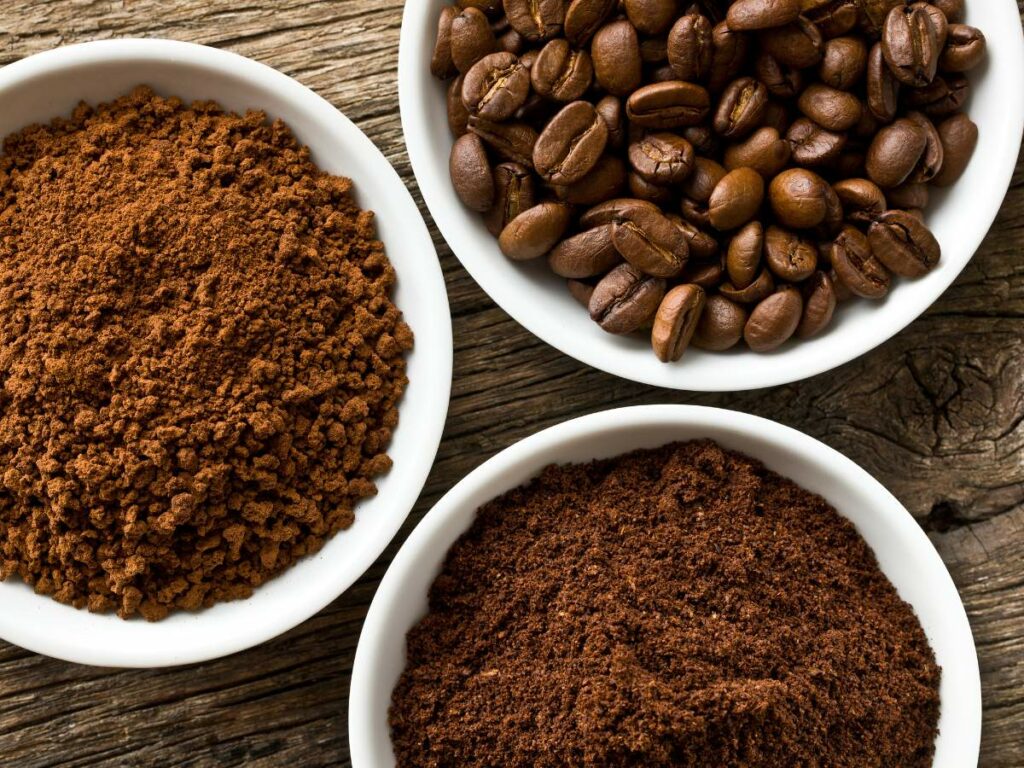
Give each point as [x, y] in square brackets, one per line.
[539, 300]
[51, 84]
[905, 554]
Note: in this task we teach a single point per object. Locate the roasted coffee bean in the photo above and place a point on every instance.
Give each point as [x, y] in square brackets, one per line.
[618, 209]
[743, 259]
[703, 179]
[799, 198]
[490, 7]
[441, 64]
[720, 326]
[588, 254]
[959, 137]
[645, 190]
[856, 265]
[740, 108]
[496, 86]
[471, 39]
[834, 216]
[939, 21]
[561, 73]
[819, 305]
[654, 50]
[676, 320]
[842, 292]
[571, 144]
[511, 41]
[862, 200]
[652, 17]
[695, 213]
[690, 47]
[812, 145]
[534, 232]
[789, 256]
[471, 173]
[614, 115]
[749, 15]
[650, 242]
[662, 158]
[605, 181]
[798, 45]
[873, 14]
[511, 141]
[903, 244]
[932, 157]
[953, 10]
[584, 17]
[910, 45]
[728, 54]
[707, 274]
[580, 291]
[702, 137]
[776, 116]
[866, 127]
[830, 108]
[458, 115]
[668, 105]
[662, 74]
[774, 320]
[702, 245]
[764, 151]
[762, 286]
[736, 199]
[626, 299]
[536, 19]
[965, 49]
[883, 88]
[833, 18]
[944, 96]
[514, 191]
[782, 81]
[844, 62]
[615, 50]
[895, 152]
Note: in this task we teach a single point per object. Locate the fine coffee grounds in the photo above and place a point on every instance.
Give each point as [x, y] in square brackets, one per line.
[674, 607]
[199, 358]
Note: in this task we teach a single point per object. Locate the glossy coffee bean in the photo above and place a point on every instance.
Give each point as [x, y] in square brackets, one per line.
[702, 245]
[651, 17]
[654, 50]
[830, 108]
[571, 144]
[661, 158]
[561, 73]
[612, 111]
[702, 137]
[605, 181]
[471, 173]
[953, 10]
[945, 95]
[781, 81]
[812, 145]
[740, 108]
[615, 51]
[514, 192]
[534, 232]
[441, 64]
[618, 209]
[939, 21]
[799, 198]
[833, 18]
[458, 115]
[749, 15]
[789, 256]
[581, 291]
[496, 86]
[536, 19]
[626, 299]
[932, 158]
[883, 88]
[863, 200]
[895, 152]
[696, 213]
[910, 45]
[729, 51]
[764, 150]
[774, 320]
[703, 179]
[511, 141]
[588, 254]
[856, 266]
[761, 287]
[736, 199]
[471, 39]
[690, 47]
[666, 105]
[873, 14]
[819, 305]
[959, 137]
[676, 320]
[844, 62]
[584, 17]
[650, 242]
[965, 49]
[646, 190]
[743, 258]
[903, 244]
[511, 41]
[798, 45]
[720, 326]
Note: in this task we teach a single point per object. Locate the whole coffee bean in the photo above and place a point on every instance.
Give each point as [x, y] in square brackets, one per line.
[471, 39]
[690, 47]
[862, 200]
[812, 145]
[764, 151]
[833, 18]
[743, 259]
[910, 45]
[458, 115]
[834, 216]
[514, 192]
[720, 326]
[945, 95]
[668, 105]
[819, 305]
[652, 17]
[842, 292]
[695, 213]
[534, 232]
[749, 15]
[584, 17]
[873, 14]
[774, 320]
[728, 54]
[580, 291]
[776, 116]
[676, 320]
[798, 45]
[588, 254]
[789, 256]
[650, 242]
[561, 73]
[626, 299]
[707, 275]
[471, 173]
[511, 41]
[702, 245]
[736, 199]
[903, 244]
[702, 137]
[662, 158]
[610, 211]
[740, 108]
[536, 19]
[615, 51]
[932, 158]
[856, 265]
[762, 286]
[830, 108]
[883, 88]
[959, 137]
[645, 190]
[614, 115]
[895, 152]
[939, 21]
[571, 144]
[953, 10]
[844, 62]
[799, 198]
[782, 81]
[965, 49]
[605, 181]
[511, 141]
[703, 179]
[654, 50]
[441, 64]
[496, 86]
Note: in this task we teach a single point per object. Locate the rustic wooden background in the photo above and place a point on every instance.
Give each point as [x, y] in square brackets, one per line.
[936, 414]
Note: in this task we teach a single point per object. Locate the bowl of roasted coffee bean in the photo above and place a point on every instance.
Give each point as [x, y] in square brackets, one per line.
[713, 195]
[225, 352]
[661, 586]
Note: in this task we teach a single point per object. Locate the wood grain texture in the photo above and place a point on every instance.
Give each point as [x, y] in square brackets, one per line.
[936, 414]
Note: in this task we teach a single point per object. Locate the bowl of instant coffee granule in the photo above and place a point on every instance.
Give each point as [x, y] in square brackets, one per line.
[666, 586]
[225, 353]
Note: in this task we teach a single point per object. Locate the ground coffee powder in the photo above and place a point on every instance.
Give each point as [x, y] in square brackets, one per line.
[675, 607]
[199, 358]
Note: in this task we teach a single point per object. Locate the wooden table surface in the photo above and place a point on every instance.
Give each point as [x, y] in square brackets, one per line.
[936, 414]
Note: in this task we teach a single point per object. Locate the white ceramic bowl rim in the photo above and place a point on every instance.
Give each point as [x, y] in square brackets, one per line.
[960, 218]
[904, 553]
[50, 84]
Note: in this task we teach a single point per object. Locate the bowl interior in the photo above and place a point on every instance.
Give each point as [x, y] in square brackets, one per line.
[904, 553]
[539, 300]
[51, 84]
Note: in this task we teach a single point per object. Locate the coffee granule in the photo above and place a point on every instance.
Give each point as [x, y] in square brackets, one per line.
[199, 358]
[674, 607]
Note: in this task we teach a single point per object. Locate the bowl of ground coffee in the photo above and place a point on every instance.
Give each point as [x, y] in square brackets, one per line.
[225, 356]
[713, 194]
[666, 585]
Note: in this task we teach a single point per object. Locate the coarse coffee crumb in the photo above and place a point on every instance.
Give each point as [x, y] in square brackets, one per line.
[199, 356]
[674, 607]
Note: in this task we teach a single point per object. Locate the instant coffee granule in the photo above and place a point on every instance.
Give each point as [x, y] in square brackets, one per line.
[199, 358]
[674, 607]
